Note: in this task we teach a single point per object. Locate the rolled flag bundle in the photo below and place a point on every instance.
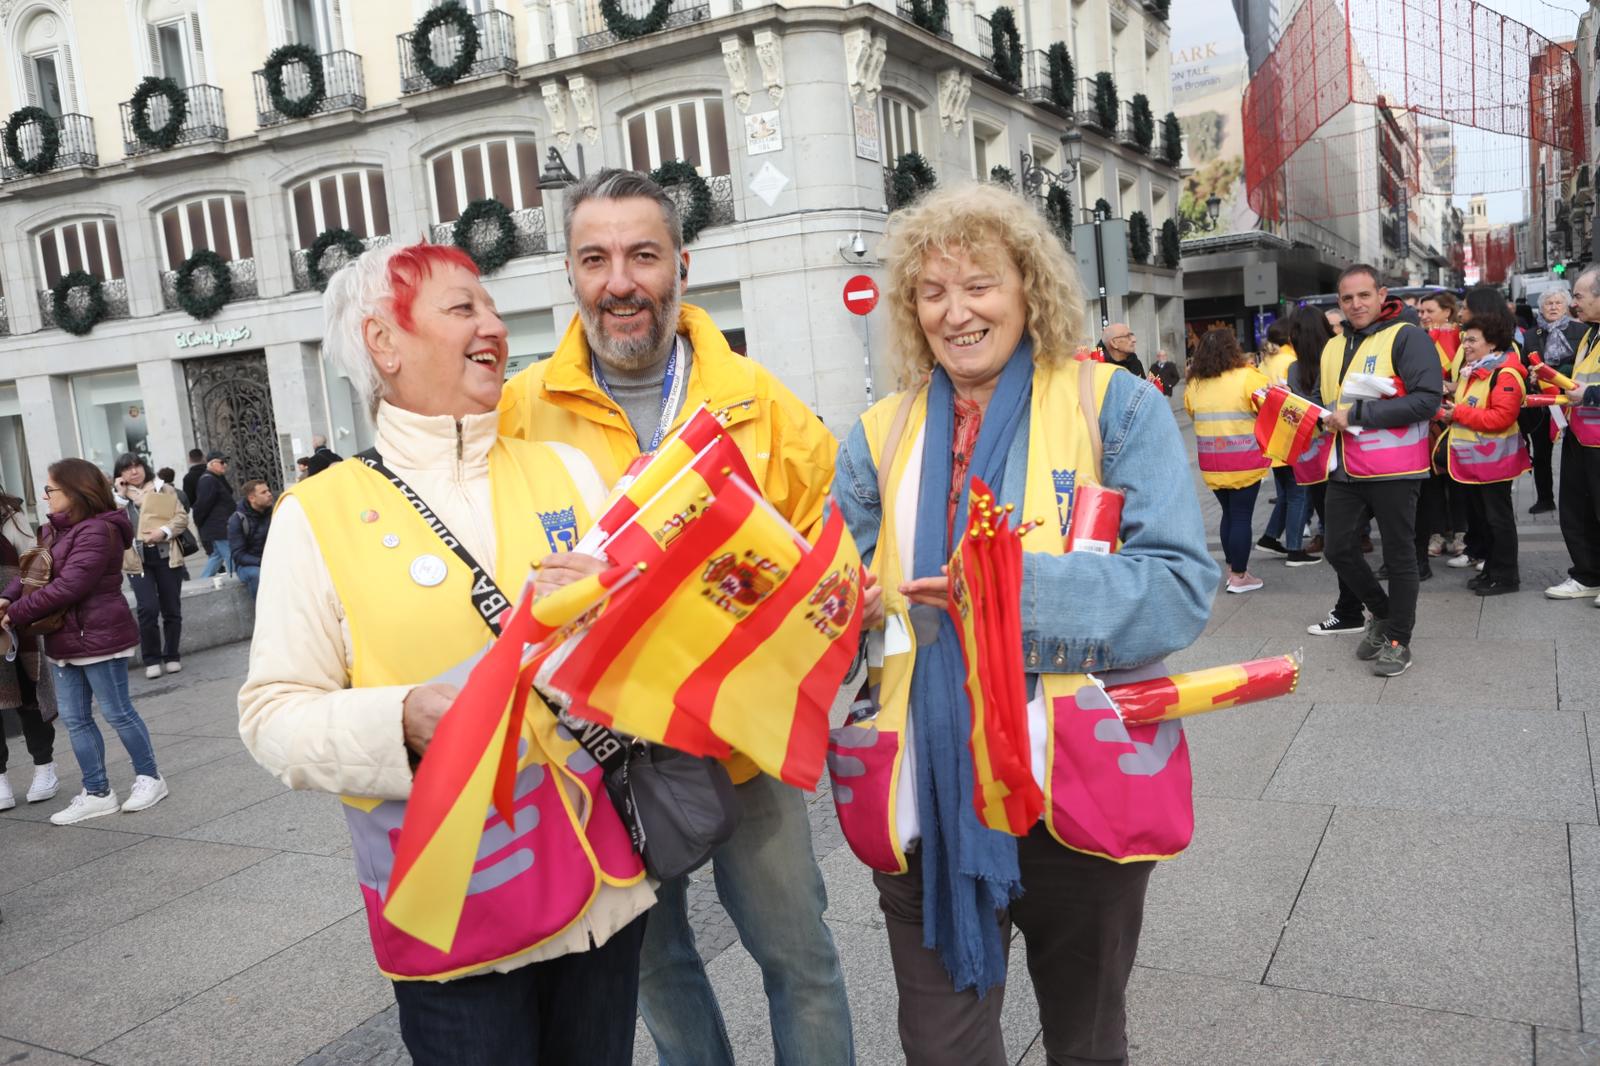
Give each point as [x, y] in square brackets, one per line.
[735, 638]
[984, 601]
[1096, 523]
[1162, 699]
[1546, 399]
[1550, 375]
[1286, 424]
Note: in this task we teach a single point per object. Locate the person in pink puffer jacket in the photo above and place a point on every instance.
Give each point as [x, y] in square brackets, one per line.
[88, 654]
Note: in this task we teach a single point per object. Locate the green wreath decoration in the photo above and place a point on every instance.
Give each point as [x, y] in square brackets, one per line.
[203, 305]
[49, 140]
[453, 13]
[1105, 101]
[1002, 176]
[911, 178]
[678, 172]
[1007, 44]
[1161, 9]
[1171, 245]
[930, 14]
[167, 135]
[1139, 237]
[74, 321]
[1103, 206]
[624, 25]
[331, 238]
[1058, 212]
[498, 253]
[1171, 140]
[302, 106]
[1144, 123]
[1061, 83]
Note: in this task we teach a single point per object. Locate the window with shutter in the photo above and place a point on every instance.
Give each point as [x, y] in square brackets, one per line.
[69, 83]
[30, 84]
[196, 50]
[153, 38]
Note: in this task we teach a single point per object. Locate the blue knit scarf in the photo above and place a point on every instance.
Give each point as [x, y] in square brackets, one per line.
[969, 872]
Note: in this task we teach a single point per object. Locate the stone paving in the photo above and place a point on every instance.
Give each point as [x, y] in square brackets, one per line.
[1383, 872]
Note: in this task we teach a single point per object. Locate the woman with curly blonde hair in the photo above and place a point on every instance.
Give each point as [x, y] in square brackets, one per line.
[985, 314]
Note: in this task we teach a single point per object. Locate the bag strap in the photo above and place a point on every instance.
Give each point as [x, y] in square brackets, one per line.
[897, 429]
[604, 746]
[1091, 420]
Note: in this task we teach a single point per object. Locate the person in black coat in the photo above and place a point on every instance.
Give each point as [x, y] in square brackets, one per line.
[322, 456]
[213, 504]
[247, 532]
[1555, 337]
[191, 477]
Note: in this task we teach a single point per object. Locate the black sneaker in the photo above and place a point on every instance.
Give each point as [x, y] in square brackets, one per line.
[1393, 659]
[1477, 581]
[1373, 640]
[1302, 558]
[1425, 573]
[1333, 625]
[1496, 588]
[1271, 544]
[1542, 507]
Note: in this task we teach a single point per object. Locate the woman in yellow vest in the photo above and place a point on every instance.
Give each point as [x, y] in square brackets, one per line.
[378, 589]
[985, 313]
[1221, 380]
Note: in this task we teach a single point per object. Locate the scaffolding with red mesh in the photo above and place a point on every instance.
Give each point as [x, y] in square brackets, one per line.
[1308, 155]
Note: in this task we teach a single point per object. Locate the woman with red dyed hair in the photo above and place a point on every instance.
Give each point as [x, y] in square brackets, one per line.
[382, 584]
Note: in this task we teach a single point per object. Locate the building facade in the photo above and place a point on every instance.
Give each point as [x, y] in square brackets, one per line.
[790, 114]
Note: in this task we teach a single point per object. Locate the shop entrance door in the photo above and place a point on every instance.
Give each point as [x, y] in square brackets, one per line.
[231, 405]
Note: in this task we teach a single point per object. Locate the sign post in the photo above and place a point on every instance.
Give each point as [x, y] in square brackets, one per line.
[860, 297]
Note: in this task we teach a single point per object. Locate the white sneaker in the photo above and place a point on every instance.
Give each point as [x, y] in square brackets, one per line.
[152, 671]
[83, 807]
[174, 667]
[1461, 562]
[147, 792]
[8, 798]
[45, 785]
[1570, 589]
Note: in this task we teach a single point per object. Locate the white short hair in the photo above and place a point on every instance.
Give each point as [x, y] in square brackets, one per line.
[1559, 290]
[357, 291]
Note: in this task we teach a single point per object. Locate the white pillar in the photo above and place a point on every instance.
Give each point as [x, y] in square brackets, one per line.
[564, 26]
[166, 411]
[297, 401]
[536, 13]
[48, 425]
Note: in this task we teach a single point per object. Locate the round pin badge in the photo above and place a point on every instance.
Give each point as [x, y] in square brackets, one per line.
[428, 570]
[391, 541]
[369, 516]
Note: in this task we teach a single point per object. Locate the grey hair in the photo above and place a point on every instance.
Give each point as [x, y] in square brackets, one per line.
[357, 291]
[613, 184]
[1592, 274]
[1557, 290]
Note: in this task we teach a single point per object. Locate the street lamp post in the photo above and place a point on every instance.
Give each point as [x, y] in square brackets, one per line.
[1207, 224]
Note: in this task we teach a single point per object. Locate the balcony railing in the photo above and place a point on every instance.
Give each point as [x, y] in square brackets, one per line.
[721, 200]
[531, 238]
[75, 150]
[5, 319]
[244, 283]
[1125, 130]
[343, 87]
[204, 122]
[679, 13]
[332, 259]
[1036, 78]
[1086, 114]
[904, 10]
[497, 51]
[114, 291]
[986, 42]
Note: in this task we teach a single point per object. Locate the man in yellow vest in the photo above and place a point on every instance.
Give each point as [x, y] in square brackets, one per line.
[634, 363]
[1380, 458]
[1579, 499]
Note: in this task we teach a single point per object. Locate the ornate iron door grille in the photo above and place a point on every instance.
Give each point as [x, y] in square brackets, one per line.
[231, 404]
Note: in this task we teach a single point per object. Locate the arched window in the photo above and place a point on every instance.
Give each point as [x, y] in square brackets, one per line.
[44, 62]
[502, 168]
[901, 124]
[218, 224]
[693, 130]
[351, 199]
[88, 244]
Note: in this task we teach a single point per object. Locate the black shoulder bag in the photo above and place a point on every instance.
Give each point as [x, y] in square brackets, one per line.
[678, 808]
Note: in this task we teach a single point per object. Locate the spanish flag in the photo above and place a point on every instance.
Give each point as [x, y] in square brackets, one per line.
[1162, 699]
[471, 765]
[737, 637]
[985, 575]
[1286, 424]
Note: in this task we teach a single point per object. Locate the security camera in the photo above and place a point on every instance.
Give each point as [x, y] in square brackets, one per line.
[858, 247]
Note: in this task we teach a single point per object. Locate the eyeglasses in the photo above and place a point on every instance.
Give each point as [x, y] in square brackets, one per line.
[51, 489]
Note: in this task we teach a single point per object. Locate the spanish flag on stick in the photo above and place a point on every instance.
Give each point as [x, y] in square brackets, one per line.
[1286, 424]
[1162, 699]
[736, 638]
[985, 604]
[471, 765]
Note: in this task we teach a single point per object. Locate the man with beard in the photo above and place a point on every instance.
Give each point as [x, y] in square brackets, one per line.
[635, 362]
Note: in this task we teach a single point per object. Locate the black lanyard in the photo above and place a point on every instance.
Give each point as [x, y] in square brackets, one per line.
[487, 598]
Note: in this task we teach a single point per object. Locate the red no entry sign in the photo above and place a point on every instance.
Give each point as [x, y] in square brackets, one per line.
[860, 295]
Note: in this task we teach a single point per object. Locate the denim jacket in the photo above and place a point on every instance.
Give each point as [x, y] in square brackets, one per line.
[1081, 611]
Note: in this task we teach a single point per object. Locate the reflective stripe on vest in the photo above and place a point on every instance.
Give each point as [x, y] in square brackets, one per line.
[1224, 431]
[565, 840]
[1374, 453]
[1482, 458]
[1585, 420]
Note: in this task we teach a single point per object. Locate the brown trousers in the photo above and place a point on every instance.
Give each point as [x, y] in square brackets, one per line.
[1079, 917]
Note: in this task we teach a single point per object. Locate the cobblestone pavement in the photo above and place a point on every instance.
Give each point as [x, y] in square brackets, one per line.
[1384, 872]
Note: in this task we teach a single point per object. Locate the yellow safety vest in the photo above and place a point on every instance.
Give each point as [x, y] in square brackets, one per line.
[1373, 453]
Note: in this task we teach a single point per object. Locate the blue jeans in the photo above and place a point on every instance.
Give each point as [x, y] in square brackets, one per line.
[1237, 507]
[569, 1009]
[1289, 513]
[107, 682]
[220, 559]
[251, 577]
[769, 883]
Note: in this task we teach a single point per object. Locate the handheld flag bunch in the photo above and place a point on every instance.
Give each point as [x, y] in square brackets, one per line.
[984, 601]
[1286, 424]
